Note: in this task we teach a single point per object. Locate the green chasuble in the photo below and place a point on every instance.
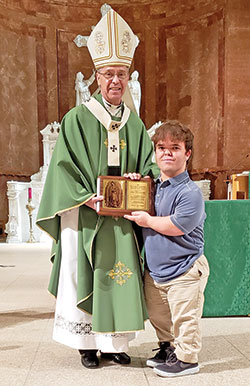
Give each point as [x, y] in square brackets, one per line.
[109, 282]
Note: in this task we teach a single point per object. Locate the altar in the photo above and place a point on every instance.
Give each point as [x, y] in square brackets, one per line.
[19, 193]
[227, 248]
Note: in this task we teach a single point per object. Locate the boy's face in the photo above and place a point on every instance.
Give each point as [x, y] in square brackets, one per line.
[171, 157]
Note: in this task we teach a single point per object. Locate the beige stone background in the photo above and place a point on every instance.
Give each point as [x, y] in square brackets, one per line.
[194, 65]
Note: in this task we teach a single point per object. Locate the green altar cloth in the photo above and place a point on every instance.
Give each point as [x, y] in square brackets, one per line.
[227, 248]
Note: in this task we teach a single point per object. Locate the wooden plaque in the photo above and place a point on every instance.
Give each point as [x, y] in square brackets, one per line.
[123, 195]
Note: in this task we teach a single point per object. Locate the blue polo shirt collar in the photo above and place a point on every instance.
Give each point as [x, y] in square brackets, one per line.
[174, 180]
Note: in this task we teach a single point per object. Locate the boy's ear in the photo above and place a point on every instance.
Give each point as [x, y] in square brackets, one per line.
[188, 153]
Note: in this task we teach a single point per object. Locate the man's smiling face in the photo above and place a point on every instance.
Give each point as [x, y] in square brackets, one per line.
[113, 81]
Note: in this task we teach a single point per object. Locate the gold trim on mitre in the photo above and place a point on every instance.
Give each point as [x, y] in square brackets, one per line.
[112, 42]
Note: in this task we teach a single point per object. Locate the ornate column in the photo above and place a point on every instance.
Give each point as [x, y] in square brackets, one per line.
[50, 134]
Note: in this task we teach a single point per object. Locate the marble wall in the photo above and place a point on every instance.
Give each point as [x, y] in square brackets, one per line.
[193, 61]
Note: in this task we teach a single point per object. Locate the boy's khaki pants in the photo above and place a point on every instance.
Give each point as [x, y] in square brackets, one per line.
[175, 309]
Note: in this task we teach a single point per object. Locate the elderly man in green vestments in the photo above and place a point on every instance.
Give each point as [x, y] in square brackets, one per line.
[96, 275]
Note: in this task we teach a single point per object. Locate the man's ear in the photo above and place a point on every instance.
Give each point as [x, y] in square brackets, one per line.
[97, 78]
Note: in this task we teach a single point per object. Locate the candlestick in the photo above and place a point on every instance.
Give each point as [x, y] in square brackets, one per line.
[30, 209]
[29, 193]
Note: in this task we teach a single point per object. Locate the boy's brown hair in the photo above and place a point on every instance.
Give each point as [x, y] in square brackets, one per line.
[175, 130]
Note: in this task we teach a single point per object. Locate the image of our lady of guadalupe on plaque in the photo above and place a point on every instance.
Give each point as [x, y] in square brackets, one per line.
[113, 194]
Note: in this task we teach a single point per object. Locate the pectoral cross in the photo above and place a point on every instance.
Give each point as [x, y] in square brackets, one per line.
[115, 126]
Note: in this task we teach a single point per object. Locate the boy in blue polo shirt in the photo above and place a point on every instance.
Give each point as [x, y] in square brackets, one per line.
[176, 268]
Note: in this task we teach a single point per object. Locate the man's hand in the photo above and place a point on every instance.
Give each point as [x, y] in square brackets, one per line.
[140, 218]
[91, 203]
[132, 176]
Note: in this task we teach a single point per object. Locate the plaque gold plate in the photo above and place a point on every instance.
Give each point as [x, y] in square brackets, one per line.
[123, 195]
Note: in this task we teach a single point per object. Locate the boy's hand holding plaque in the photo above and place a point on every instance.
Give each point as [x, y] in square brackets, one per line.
[123, 195]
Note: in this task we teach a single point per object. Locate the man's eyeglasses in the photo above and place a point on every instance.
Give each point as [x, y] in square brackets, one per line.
[110, 74]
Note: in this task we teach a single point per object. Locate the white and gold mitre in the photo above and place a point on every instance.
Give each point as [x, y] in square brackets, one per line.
[112, 42]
